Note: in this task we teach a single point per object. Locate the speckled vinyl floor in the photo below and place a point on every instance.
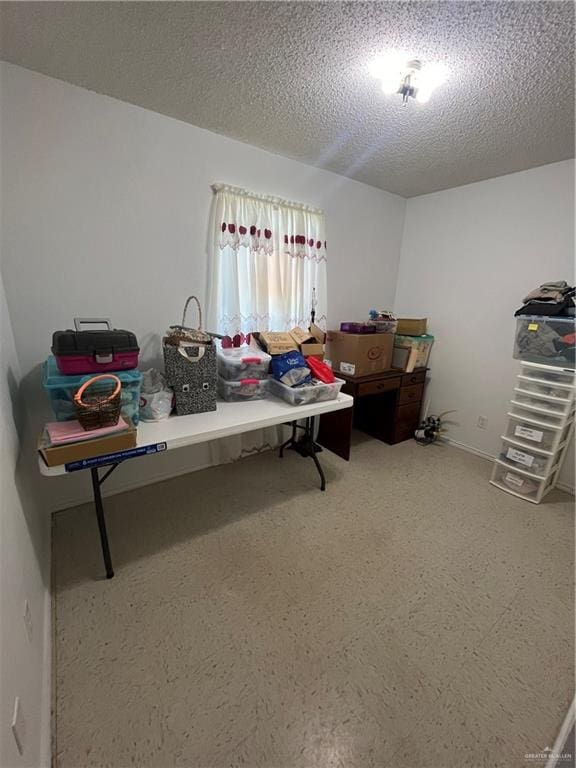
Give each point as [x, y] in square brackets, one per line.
[413, 615]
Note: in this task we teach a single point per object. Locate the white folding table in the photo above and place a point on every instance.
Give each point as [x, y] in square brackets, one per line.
[179, 431]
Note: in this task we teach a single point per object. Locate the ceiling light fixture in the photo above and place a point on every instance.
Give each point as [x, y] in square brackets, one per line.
[412, 78]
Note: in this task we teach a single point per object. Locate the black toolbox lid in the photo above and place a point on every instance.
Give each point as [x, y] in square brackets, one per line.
[93, 342]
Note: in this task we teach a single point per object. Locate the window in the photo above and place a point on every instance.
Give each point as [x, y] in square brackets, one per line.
[267, 263]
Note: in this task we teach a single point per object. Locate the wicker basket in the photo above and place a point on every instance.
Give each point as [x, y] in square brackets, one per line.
[101, 407]
[176, 334]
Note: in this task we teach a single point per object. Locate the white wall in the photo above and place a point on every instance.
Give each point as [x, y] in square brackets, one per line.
[106, 211]
[24, 575]
[469, 255]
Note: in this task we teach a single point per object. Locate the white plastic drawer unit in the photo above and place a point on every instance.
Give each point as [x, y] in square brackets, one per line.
[533, 461]
[531, 433]
[536, 396]
[547, 375]
[519, 483]
[542, 417]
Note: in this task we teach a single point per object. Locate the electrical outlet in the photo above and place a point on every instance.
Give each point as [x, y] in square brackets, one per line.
[19, 726]
[482, 422]
[28, 620]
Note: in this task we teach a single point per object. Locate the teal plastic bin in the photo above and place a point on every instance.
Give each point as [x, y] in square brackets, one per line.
[61, 391]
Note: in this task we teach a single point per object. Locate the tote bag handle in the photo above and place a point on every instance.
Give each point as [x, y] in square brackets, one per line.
[192, 358]
[188, 300]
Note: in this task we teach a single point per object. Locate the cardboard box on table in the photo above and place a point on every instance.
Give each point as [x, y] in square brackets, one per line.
[310, 343]
[276, 342]
[358, 354]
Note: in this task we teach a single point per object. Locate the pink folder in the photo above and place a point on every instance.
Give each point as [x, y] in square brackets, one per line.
[60, 432]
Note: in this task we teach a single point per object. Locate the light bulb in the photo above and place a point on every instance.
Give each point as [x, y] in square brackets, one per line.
[397, 68]
[423, 95]
[432, 75]
[389, 69]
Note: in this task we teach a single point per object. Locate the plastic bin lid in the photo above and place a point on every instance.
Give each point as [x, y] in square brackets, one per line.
[426, 337]
[237, 354]
[547, 318]
[53, 379]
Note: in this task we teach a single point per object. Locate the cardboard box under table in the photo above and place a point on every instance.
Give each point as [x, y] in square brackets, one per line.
[358, 354]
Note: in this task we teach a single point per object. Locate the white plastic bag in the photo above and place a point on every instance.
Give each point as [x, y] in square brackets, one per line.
[156, 397]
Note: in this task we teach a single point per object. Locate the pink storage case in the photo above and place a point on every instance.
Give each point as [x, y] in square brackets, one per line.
[94, 351]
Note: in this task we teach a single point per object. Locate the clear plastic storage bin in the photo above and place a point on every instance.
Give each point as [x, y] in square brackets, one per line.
[560, 393]
[544, 374]
[546, 340]
[240, 363]
[541, 403]
[61, 390]
[532, 434]
[306, 394]
[515, 481]
[535, 462]
[240, 391]
[543, 419]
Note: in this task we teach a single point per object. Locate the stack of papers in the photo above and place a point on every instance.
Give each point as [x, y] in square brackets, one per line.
[63, 432]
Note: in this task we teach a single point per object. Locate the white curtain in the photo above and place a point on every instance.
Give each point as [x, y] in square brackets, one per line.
[267, 260]
[267, 266]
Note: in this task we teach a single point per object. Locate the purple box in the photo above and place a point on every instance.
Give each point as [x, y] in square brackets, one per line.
[357, 328]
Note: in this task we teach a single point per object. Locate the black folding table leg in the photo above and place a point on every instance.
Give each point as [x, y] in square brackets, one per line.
[96, 482]
[306, 446]
[290, 441]
[312, 450]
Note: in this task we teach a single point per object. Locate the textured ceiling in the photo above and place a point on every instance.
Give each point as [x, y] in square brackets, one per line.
[292, 78]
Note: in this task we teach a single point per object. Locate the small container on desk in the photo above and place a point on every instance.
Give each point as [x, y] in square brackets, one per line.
[411, 352]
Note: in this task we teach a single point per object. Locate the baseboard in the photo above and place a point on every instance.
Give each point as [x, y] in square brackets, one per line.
[47, 700]
[468, 448]
[489, 457]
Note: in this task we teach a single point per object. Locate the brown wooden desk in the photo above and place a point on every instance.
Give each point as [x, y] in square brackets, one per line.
[386, 406]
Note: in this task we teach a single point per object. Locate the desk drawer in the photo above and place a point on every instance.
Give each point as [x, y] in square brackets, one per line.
[412, 394]
[413, 378]
[376, 387]
[408, 414]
